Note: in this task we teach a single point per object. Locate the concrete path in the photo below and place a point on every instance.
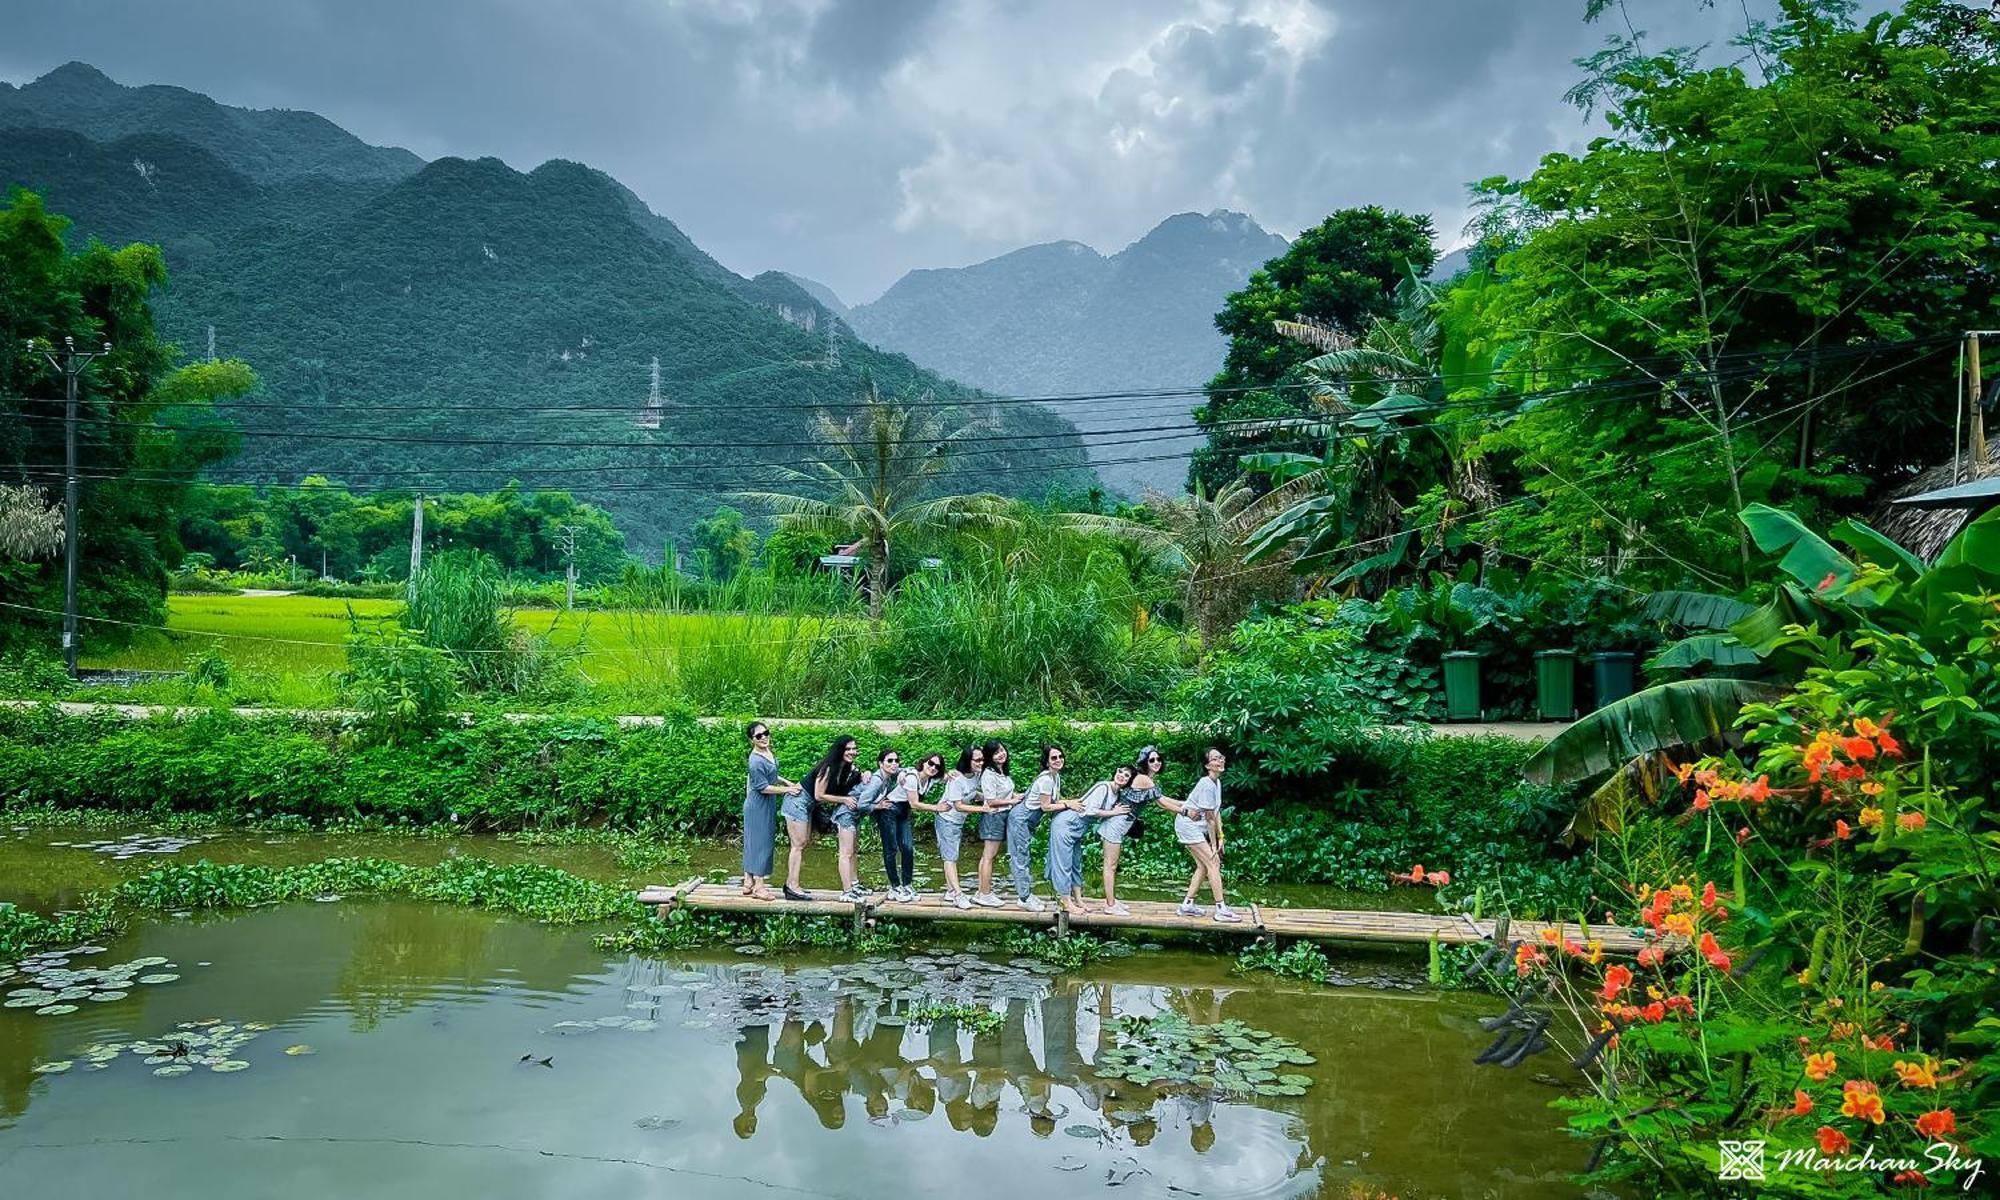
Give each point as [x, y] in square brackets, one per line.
[1525, 731]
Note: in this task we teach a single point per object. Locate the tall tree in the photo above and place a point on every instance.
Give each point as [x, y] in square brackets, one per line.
[1756, 250]
[1339, 275]
[874, 480]
[145, 430]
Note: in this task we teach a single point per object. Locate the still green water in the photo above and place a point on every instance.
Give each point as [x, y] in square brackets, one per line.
[715, 1075]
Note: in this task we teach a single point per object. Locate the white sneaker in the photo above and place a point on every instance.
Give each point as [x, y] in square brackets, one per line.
[1032, 903]
[988, 900]
[862, 889]
[1189, 908]
[909, 895]
[1117, 908]
[850, 896]
[1225, 913]
[958, 900]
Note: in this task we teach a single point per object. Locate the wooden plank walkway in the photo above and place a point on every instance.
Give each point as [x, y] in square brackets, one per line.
[1313, 924]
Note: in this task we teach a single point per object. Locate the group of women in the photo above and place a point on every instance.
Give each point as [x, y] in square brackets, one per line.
[979, 783]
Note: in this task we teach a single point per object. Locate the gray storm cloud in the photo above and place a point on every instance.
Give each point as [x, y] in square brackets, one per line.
[852, 140]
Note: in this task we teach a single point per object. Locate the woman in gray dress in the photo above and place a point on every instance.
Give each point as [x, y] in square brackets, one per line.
[760, 813]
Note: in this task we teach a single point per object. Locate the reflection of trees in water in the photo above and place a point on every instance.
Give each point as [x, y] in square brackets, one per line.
[1039, 1046]
[403, 953]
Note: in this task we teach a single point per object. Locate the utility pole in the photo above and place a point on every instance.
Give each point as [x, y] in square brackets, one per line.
[416, 545]
[71, 363]
[566, 543]
[1975, 390]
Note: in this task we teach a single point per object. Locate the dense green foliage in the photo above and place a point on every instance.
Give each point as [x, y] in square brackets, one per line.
[1350, 815]
[366, 535]
[1341, 274]
[1747, 290]
[147, 429]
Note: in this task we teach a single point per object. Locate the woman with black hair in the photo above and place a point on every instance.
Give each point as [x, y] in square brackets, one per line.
[868, 793]
[1198, 828]
[961, 792]
[996, 792]
[760, 813]
[1106, 803]
[829, 783]
[896, 826]
[1044, 796]
[834, 782]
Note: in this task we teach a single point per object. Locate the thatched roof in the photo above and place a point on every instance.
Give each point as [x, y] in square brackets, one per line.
[1925, 532]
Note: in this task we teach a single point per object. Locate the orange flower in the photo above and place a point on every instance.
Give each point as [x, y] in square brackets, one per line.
[1708, 895]
[1417, 873]
[1871, 818]
[1842, 830]
[1885, 1043]
[1801, 1102]
[1910, 1179]
[1683, 892]
[1917, 1074]
[1937, 1123]
[1832, 1141]
[1912, 821]
[1862, 1102]
[1526, 957]
[1701, 800]
[1872, 788]
[1890, 746]
[1650, 956]
[1712, 952]
[1857, 748]
[1594, 951]
[1654, 1012]
[1842, 1030]
[1616, 979]
[1681, 924]
[1552, 935]
[1682, 772]
[1867, 728]
[1758, 792]
[1821, 1065]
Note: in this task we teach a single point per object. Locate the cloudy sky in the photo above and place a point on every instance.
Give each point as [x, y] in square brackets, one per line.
[852, 140]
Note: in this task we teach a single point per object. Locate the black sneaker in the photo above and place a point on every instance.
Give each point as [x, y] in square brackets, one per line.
[796, 895]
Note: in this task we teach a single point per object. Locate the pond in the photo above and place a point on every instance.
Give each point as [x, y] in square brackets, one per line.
[398, 1048]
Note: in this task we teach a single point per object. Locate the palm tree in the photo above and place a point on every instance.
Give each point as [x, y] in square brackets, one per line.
[1370, 395]
[1203, 537]
[873, 470]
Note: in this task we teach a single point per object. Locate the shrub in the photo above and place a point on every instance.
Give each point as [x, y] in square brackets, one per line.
[404, 688]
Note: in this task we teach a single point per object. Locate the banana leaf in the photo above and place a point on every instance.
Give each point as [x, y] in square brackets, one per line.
[1398, 546]
[1685, 712]
[1806, 556]
[1705, 650]
[1694, 610]
[1877, 547]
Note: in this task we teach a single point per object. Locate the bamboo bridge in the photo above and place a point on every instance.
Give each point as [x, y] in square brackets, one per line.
[1312, 924]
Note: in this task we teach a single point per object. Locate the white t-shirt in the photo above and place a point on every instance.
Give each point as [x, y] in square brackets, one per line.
[995, 786]
[1048, 783]
[1101, 797]
[1191, 823]
[958, 789]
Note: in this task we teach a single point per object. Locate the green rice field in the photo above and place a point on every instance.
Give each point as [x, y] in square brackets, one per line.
[304, 635]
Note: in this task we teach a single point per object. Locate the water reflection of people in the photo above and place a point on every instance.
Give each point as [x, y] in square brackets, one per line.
[938, 1073]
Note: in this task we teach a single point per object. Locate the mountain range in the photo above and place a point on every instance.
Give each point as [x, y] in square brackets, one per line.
[460, 324]
[1061, 319]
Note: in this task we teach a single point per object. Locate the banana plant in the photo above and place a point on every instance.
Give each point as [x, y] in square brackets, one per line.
[1879, 586]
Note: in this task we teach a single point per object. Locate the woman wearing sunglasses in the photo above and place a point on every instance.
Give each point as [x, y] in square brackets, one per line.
[896, 825]
[760, 813]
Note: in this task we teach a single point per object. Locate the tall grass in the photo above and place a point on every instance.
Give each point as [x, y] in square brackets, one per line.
[457, 607]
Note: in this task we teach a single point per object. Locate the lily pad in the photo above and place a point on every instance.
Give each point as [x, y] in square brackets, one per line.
[300, 1049]
[172, 1071]
[104, 997]
[150, 961]
[54, 1068]
[160, 977]
[55, 1010]
[1083, 1131]
[229, 1066]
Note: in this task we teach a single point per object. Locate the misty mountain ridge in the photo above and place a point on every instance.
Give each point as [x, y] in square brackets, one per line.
[478, 302]
[1060, 318]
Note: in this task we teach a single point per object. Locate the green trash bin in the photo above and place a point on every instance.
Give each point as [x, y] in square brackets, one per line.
[1461, 686]
[1555, 684]
[1613, 675]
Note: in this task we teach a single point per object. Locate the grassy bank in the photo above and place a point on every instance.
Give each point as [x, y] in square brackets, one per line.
[1378, 804]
